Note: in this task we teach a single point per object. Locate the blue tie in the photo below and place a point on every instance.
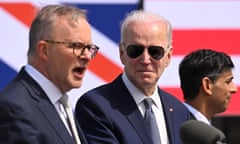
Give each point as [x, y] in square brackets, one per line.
[150, 120]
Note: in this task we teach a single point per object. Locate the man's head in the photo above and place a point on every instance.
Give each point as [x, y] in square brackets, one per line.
[61, 45]
[145, 48]
[207, 75]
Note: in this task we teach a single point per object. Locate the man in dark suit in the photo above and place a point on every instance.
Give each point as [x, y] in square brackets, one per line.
[115, 113]
[31, 107]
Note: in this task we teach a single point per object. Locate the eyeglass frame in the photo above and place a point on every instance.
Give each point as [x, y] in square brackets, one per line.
[78, 46]
[164, 50]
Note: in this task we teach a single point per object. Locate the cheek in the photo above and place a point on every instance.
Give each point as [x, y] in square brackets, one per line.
[63, 63]
[160, 66]
[221, 92]
[165, 61]
[123, 59]
[128, 62]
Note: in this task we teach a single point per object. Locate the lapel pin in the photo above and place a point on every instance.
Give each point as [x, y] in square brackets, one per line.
[171, 109]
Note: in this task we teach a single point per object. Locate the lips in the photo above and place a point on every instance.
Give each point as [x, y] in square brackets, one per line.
[142, 71]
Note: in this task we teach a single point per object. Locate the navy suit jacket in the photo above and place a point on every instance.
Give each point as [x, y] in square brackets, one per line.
[28, 117]
[109, 115]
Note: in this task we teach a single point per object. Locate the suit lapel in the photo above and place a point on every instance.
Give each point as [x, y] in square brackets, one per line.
[55, 121]
[131, 110]
[135, 118]
[45, 107]
[168, 109]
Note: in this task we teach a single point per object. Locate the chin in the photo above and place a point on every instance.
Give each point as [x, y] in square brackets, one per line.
[76, 84]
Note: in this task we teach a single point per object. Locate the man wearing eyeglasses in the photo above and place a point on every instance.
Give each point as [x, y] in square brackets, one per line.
[34, 106]
[117, 113]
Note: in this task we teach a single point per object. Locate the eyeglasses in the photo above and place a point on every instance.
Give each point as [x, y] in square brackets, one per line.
[78, 47]
[156, 52]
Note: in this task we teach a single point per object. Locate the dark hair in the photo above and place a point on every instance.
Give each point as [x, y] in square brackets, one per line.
[199, 64]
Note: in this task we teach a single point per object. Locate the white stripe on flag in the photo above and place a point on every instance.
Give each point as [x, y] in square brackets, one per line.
[14, 41]
[107, 47]
[198, 14]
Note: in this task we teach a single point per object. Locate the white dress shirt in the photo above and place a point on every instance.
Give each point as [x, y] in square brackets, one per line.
[138, 96]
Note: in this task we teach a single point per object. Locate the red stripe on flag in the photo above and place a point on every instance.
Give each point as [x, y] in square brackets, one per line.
[185, 41]
[101, 66]
[177, 92]
[24, 12]
[104, 68]
[233, 108]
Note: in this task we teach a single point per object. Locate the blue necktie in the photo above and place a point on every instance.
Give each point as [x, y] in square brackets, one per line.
[150, 120]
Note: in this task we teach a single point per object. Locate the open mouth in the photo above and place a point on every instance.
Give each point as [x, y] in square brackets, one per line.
[79, 70]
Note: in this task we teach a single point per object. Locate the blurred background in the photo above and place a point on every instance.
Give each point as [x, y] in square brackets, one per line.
[196, 24]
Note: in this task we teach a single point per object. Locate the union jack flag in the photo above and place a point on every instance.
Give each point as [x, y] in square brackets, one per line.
[197, 24]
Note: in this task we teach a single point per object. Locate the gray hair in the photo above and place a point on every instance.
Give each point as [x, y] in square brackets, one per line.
[43, 22]
[140, 15]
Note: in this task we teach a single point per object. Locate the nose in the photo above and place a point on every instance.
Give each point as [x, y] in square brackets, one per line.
[145, 57]
[85, 53]
[233, 88]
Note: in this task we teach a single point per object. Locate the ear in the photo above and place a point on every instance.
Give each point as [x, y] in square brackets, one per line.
[42, 50]
[207, 85]
[121, 53]
[168, 57]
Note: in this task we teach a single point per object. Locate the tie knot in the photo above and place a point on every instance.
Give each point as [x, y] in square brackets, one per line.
[64, 101]
[148, 103]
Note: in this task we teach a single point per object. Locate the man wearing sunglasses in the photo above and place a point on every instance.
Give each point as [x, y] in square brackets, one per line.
[117, 113]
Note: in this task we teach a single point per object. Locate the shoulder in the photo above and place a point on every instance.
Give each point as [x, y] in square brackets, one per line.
[16, 97]
[167, 96]
[104, 92]
[171, 100]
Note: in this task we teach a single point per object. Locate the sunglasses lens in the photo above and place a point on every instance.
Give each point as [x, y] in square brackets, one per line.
[156, 52]
[134, 51]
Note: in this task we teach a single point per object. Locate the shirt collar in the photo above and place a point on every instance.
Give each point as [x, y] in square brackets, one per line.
[197, 114]
[137, 95]
[53, 93]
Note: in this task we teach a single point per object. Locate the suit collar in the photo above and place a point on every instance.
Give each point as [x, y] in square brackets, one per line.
[55, 121]
[137, 94]
[131, 110]
[53, 93]
[45, 106]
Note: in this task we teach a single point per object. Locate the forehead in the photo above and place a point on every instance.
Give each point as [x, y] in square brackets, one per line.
[228, 74]
[151, 31]
[65, 27]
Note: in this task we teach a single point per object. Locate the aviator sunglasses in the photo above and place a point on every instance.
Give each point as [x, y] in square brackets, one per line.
[134, 50]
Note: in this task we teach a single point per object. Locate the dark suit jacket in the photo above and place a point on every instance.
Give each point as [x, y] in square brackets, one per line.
[109, 115]
[28, 117]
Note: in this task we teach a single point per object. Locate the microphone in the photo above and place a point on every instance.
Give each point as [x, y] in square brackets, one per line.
[197, 132]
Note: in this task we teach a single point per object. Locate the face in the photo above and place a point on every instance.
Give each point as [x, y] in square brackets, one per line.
[222, 90]
[144, 71]
[62, 67]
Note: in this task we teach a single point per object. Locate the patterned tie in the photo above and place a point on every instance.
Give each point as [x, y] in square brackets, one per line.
[150, 120]
[70, 118]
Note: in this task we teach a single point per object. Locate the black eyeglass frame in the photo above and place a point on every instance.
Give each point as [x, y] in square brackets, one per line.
[142, 47]
[93, 49]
